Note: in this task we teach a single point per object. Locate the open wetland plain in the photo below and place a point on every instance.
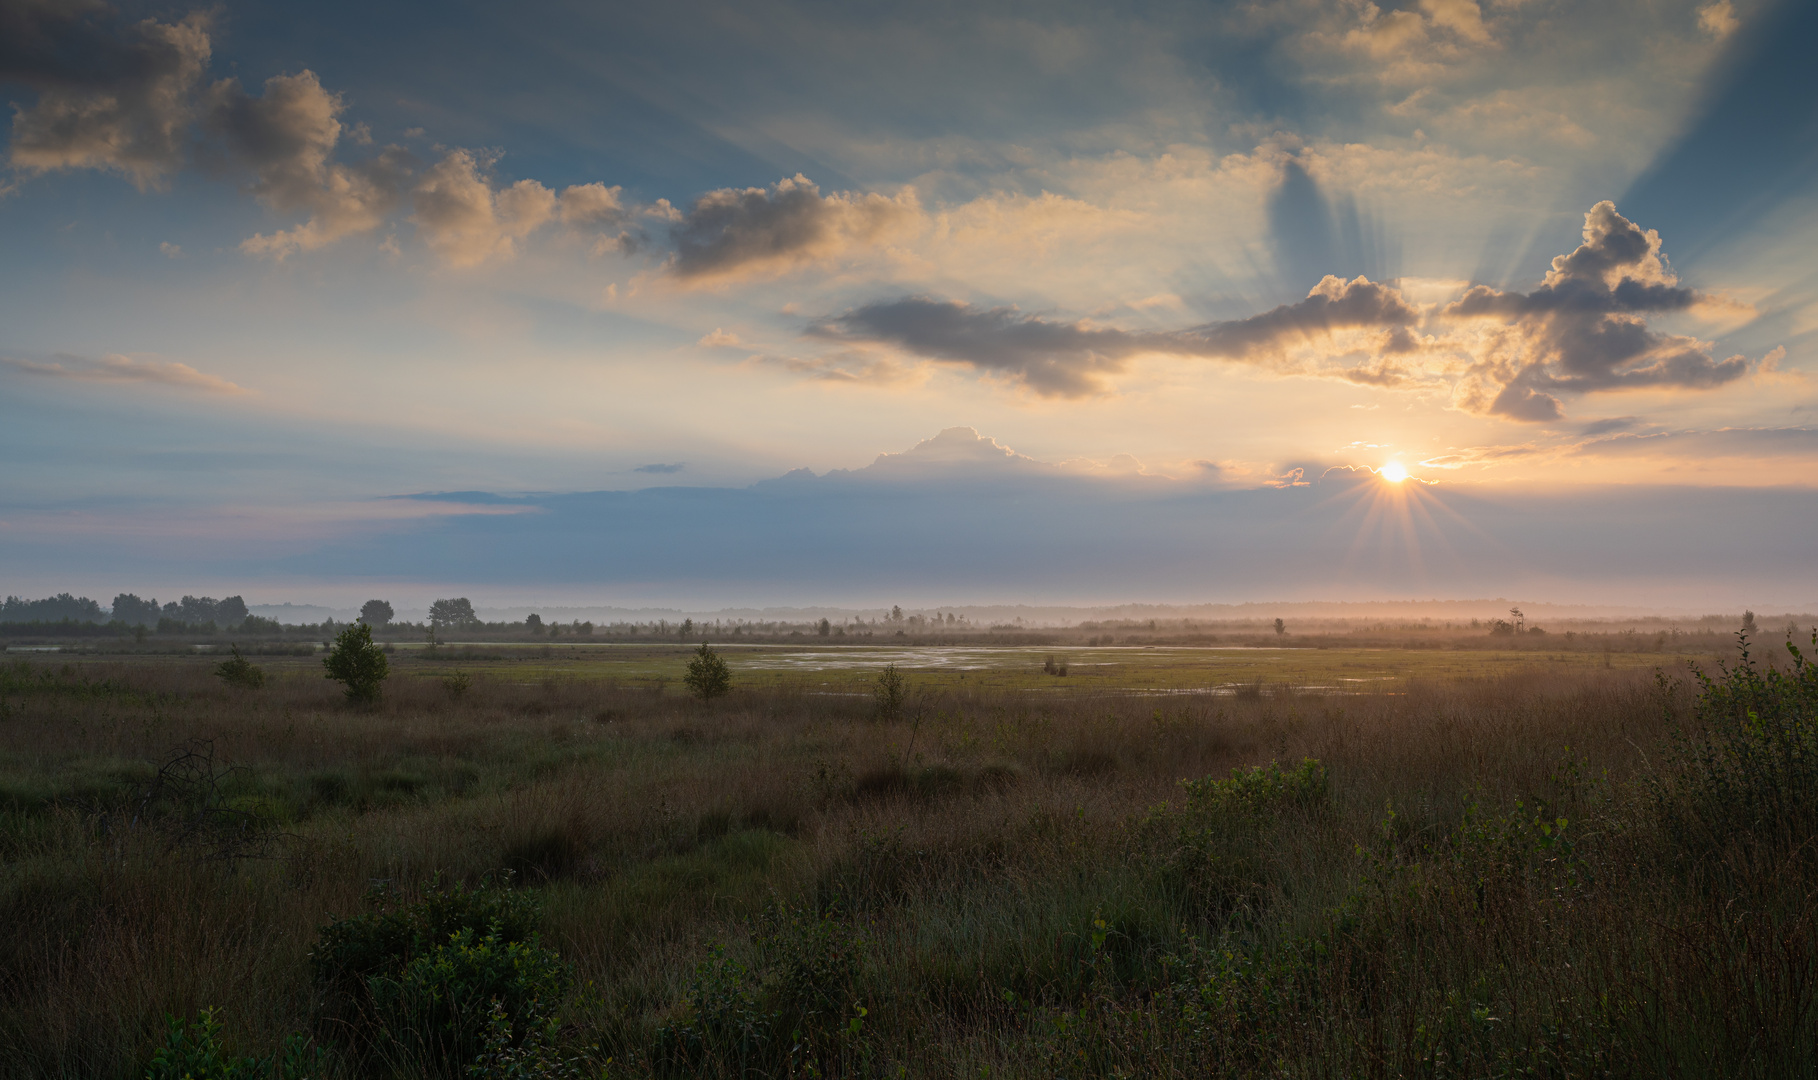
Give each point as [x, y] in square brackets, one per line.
[912, 860]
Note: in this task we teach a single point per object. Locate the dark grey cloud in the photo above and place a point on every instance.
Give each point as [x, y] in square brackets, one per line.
[736, 231]
[110, 96]
[1070, 359]
[1583, 329]
[130, 98]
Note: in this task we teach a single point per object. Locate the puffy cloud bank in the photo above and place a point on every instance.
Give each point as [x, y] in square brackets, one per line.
[1584, 329]
[1511, 354]
[732, 232]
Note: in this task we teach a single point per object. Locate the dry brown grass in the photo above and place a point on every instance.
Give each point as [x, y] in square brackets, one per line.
[972, 843]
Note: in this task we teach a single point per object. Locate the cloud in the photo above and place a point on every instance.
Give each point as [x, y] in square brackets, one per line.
[108, 98]
[1700, 446]
[287, 138]
[660, 467]
[1718, 19]
[739, 232]
[170, 250]
[718, 339]
[124, 369]
[1582, 330]
[467, 221]
[592, 205]
[1071, 359]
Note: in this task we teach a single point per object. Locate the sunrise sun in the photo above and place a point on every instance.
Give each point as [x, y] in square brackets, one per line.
[1393, 472]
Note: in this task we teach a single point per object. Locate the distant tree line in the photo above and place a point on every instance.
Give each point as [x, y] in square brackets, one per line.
[191, 611]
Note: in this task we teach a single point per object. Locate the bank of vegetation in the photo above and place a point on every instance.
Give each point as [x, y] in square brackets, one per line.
[1585, 873]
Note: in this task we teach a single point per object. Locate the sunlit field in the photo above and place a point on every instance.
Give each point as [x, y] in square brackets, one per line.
[1167, 861]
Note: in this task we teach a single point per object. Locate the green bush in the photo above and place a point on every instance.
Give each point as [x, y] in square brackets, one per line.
[1261, 788]
[1747, 771]
[193, 1051]
[708, 677]
[527, 1051]
[414, 986]
[795, 1013]
[358, 663]
[241, 672]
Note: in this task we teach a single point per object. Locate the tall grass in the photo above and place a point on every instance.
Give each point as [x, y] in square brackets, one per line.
[1593, 873]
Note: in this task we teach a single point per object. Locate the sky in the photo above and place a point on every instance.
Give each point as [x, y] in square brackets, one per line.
[810, 303]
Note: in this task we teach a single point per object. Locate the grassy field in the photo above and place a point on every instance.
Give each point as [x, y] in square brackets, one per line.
[1453, 862]
[851, 668]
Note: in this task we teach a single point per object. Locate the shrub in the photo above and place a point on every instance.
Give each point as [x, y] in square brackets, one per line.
[1260, 788]
[795, 1013]
[1748, 770]
[526, 1051]
[708, 677]
[416, 986]
[193, 1051]
[358, 663]
[240, 671]
[889, 693]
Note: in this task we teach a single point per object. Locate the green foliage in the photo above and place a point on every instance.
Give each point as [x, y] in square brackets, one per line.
[1261, 788]
[417, 984]
[241, 672]
[193, 1051]
[358, 663]
[707, 677]
[889, 693]
[1747, 772]
[795, 1012]
[526, 1051]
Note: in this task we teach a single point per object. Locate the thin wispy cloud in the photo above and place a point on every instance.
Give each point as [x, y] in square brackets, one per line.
[123, 369]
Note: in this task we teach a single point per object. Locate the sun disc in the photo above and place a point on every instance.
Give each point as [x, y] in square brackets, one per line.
[1394, 473]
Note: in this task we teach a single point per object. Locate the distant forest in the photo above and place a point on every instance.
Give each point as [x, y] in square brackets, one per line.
[191, 611]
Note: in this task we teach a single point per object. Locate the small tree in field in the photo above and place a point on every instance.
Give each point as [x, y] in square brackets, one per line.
[357, 662]
[1280, 627]
[890, 691]
[241, 672]
[376, 613]
[708, 677]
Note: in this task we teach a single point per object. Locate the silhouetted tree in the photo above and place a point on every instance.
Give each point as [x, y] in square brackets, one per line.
[376, 613]
[1280, 627]
[55, 609]
[231, 611]
[134, 611]
[826, 628]
[456, 614]
[534, 622]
